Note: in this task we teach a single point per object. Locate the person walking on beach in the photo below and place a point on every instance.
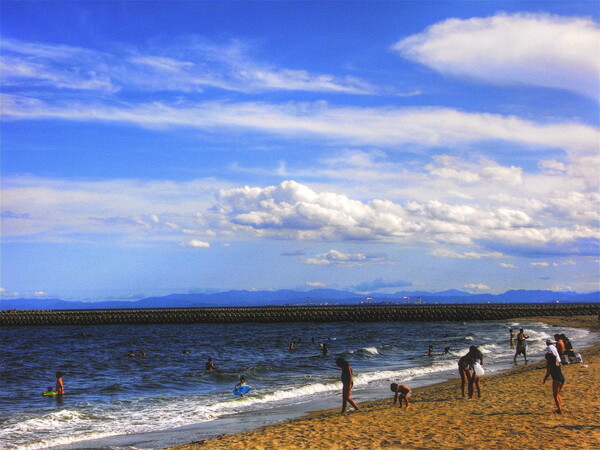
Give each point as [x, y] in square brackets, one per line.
[464, 372]
[347, 384]
[401, 392]
[558, 380]
[521, 345]
[60, 387]
[475, 357]
[512, 338]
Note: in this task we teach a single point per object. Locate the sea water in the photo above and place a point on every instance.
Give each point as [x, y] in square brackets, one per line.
[167, 398]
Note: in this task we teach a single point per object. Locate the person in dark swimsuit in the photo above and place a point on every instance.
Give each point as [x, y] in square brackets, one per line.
[464, 372]
[475, 356]
[558, 380]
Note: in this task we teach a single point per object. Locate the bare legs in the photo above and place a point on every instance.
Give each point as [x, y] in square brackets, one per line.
[556, 389]
[346, 391]
[464, 379]
[474, 383]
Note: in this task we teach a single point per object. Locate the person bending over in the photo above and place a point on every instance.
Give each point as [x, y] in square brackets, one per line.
[401, 392]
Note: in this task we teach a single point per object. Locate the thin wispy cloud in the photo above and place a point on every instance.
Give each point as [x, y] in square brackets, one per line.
[374, 126]
[202, 65]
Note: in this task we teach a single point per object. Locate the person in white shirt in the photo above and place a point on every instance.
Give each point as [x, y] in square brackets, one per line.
[551, 348]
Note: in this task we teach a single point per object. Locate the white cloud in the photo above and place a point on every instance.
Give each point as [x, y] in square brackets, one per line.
[477, 287]
[535, 218]
[508, 266]
[463, 172]
[534, 49]
[543, 264]
[315, 284]
[294, 211]
[195, 243]
[5, 293]
[445, 253]
[553, 167]
[335, 257]
[201, 65]
[381, 126]
[49, 208]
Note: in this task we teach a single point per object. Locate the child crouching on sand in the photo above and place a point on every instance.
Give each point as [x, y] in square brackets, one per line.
[401, 392]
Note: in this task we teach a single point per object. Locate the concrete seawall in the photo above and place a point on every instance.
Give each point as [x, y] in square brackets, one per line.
[371, 313]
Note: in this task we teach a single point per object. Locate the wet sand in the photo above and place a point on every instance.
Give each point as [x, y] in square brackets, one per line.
[515, 410]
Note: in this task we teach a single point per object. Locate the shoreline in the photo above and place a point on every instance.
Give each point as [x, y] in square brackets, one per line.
[515, 409]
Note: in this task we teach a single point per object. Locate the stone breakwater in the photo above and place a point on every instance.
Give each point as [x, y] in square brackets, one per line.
[371, 313]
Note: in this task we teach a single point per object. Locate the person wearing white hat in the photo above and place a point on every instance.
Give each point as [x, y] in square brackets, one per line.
[551, 348]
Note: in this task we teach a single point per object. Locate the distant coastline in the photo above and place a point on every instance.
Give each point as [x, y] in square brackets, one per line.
[316, 297]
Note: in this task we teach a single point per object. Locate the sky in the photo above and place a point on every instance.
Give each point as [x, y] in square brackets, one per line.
[156, 147]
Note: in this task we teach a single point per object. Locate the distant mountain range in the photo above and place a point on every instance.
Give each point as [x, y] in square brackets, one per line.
[317, 296]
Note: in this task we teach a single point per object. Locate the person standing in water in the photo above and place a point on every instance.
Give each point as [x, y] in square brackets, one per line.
[521, 345]
[60, 387]
[241, 383]
[210, 365]
[347, 384]
[512, 338]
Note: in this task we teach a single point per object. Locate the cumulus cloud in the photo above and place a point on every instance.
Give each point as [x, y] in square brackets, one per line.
[292, 210]
[315, 284]
[476, 287]
[508, 266]
[507, 49]
[559, 223]
[335, 257]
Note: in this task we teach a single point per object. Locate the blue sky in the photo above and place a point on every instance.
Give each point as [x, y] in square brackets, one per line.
[155, 147]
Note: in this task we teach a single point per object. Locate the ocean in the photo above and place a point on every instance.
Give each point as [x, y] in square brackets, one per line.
[167, 398]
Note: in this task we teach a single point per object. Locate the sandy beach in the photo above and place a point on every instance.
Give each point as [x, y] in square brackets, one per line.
[515, 410]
